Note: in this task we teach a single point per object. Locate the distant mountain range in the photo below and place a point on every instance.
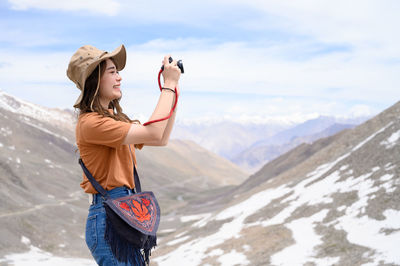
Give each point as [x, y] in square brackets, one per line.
[226, 138]
[334, 201]
[261, 152]
[250, 146]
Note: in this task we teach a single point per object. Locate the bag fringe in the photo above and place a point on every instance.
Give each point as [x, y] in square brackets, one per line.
[124, 251]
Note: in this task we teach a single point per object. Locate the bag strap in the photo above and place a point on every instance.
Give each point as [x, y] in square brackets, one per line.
[99, 188]
[138, 187]
[93, 181]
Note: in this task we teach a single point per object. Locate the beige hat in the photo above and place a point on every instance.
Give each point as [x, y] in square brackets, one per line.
[86, 59]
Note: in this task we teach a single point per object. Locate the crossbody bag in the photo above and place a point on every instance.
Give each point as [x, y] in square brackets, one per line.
[131, 221]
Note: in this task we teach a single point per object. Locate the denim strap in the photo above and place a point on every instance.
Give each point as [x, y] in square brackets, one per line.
[138, 187]
[99, 188]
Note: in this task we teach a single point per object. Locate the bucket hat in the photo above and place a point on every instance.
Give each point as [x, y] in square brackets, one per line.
[86, 59]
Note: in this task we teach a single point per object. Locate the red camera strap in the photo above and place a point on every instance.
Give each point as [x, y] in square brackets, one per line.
[173, 107]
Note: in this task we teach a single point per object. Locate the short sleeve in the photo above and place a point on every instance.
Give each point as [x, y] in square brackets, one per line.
[97, 129]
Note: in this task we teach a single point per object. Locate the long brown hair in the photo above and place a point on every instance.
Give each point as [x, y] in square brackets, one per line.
[91, 100]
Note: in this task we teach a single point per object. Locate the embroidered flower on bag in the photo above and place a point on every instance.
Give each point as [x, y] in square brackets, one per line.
[141, 212]
[124, 206]
[146, 202]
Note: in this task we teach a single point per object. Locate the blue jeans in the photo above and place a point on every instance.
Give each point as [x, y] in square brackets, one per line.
[95, 228]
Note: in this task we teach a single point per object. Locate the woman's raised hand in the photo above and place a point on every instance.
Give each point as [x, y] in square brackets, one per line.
[171, 73]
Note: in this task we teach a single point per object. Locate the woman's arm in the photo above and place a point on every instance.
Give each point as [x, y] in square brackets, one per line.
[154, 133]
[167, 132]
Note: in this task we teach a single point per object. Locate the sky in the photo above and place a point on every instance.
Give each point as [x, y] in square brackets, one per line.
[245, 60]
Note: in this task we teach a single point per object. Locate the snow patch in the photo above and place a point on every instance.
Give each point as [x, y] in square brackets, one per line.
[180, 234]
[25, 240]
[389, 186]
[216, 252]
[189, 218]
[203, 221]
[233, 258]
[371, 137]
[246, 247]
[38, 257]
[302, 251]
[177, 241]
[375, 169]
[389, 166]
[5, 131]
[392, 140]
[167, 231]
[386, 177]
[365, 231]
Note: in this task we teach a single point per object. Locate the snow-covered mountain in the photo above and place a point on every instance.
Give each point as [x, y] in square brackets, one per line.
[261, 152]
[337, 205]
[54, 116]
[227, 138]
[251, 145]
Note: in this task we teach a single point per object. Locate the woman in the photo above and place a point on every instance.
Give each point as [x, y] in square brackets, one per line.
[104, 134]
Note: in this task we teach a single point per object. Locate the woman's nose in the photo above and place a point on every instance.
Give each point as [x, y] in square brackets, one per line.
[119, 77]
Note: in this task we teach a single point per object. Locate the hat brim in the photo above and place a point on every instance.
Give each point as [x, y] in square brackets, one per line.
[119, 57]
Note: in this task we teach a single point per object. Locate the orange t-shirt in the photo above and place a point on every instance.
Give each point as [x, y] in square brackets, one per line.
[99, 141]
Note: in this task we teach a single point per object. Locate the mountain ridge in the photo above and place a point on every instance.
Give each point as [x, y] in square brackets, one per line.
[339, 206]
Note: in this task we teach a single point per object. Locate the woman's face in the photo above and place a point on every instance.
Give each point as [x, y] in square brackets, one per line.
[110, 84]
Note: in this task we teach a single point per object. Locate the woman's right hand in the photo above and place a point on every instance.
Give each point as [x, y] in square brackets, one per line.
[171, 73]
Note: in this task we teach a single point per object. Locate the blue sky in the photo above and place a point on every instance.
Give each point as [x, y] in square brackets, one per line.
[245, 60]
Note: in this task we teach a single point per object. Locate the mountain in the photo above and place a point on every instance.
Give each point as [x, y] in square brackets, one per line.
[333, 202]
[252, 158]
[227, 138]
[41, 198]
[43, 206]
[251, 145]
[56, 117]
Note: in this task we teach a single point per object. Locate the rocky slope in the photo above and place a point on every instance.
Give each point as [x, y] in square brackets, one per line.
[336, 204]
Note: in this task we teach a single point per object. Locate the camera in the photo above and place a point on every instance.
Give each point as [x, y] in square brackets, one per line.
[178, 64]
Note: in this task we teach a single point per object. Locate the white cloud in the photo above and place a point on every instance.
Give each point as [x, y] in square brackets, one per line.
[361, 110]
[333, 21]
[268, 69]
[239, 80]
[336, 57]
[106, 7]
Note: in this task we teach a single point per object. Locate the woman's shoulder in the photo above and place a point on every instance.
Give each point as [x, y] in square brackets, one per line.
[90, 116]
[94, 119]
[88, 120]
